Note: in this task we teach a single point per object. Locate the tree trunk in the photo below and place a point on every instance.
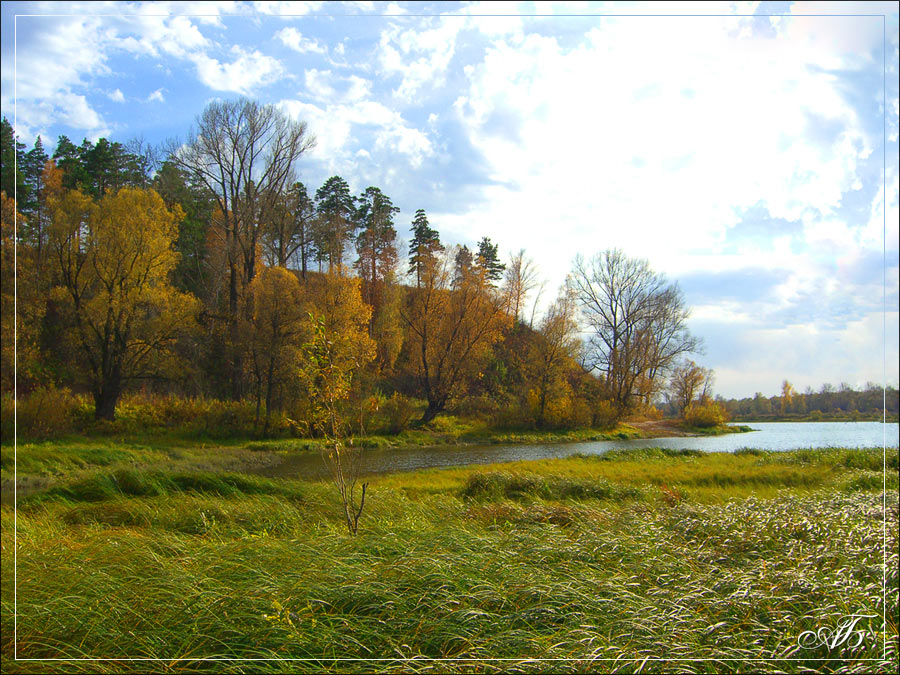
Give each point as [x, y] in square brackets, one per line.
[105, 400]
[237, 365]
[432, 411]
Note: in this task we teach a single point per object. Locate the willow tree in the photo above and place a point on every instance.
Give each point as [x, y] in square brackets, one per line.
[112, 260]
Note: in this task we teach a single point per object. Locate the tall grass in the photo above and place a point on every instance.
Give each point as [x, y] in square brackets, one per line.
[614, 566]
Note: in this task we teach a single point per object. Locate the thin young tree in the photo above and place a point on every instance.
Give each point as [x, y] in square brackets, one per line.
[339, 348]
[521, 279]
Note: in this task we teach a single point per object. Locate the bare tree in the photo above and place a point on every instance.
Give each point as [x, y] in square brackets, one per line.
[521, 279]
[244, 154]
[637, 324]
[688, 382]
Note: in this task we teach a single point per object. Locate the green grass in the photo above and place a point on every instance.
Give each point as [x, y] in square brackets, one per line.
[628, 557]
[720, 430]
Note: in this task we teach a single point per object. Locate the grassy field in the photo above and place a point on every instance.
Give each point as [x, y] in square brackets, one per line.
[633, 561]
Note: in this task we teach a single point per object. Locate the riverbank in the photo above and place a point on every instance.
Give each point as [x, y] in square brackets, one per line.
[42, 463]
[644, 559]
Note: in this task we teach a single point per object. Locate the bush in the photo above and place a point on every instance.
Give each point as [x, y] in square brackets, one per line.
[44, 413]
[399, 411]
[704, 415]
[604, 415]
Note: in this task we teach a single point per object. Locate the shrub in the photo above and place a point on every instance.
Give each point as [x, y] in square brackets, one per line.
[604, 415]
[45, 413]
[703, 415]
[399, 411]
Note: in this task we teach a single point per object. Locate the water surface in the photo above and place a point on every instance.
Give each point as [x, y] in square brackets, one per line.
[778, 436]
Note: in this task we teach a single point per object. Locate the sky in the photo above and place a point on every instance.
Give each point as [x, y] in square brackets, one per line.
[747, 150]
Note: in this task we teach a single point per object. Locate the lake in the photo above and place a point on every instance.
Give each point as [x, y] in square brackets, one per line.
[777, 436]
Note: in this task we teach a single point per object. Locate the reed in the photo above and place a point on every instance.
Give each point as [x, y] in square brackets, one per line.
[589, 560]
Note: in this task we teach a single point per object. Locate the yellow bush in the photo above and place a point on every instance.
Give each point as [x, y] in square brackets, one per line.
[705, 415]
[44, 413]
[604, 415]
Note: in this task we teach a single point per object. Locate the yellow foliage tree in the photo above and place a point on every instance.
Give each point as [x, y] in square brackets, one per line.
[553, 352]
[340, 347]
[787, 396]
[452, 322]
[112, 260]
[277, 326]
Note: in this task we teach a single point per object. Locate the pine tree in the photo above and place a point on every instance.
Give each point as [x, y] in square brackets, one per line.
[12, 153]
[375, 242]
[424, 246]
[336, 220]
[464, 264]
[488, 260]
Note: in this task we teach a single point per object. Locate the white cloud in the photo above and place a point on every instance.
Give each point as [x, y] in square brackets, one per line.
[117, 96]
[50, 67]
[334, 125]
[294, 39]
[156, 96]
[325, 86]
[420, 57]
[286, 8]
[652, 139]
[246, 72]
[853, 354]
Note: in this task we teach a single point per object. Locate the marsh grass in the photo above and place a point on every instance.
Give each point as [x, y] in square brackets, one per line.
[645, 560]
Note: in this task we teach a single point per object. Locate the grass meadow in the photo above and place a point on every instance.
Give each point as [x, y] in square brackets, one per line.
[635, 561]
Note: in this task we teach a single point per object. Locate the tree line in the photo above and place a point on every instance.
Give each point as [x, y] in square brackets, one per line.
[207, 268]
[828, 400]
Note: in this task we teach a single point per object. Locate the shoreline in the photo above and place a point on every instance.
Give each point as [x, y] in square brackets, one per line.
[248, 455]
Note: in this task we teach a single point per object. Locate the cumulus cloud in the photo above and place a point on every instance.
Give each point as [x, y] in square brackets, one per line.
[294, 39]
[156, 96]
[337, 126]
[117, 96]
[285, 7]
[324, 85]
[248, 70]
[419, 57]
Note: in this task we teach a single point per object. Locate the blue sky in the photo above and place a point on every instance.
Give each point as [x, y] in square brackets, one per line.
[751, 158]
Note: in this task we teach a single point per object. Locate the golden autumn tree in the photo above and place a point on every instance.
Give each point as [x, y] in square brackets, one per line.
[339, 349]
[787, 396]
[553, 353]
[686, 384]
[277, 324]
[112, 262]
[453, 318]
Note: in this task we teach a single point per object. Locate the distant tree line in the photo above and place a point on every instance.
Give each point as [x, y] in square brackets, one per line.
[206, 268]
[843, 400]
